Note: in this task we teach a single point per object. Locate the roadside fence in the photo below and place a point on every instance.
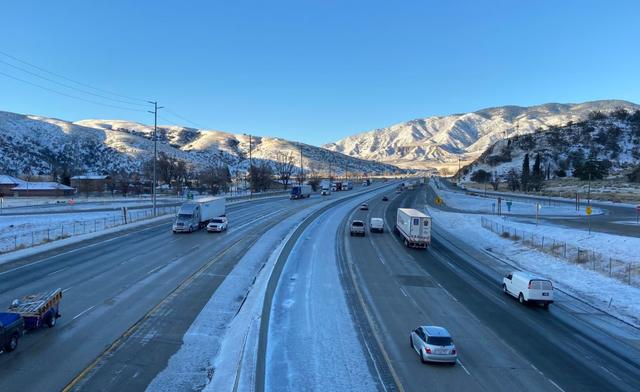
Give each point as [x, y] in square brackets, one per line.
[68, 229]
[624, 271]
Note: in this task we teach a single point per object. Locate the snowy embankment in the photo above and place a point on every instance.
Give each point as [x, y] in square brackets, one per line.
[603, 292]
[312, 337]
[219, 350]
[465, 202]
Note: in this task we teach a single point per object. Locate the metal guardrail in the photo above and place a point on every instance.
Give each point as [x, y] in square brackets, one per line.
[624, 271]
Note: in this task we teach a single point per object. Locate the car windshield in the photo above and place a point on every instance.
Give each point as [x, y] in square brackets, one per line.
[217, 220]
[439, 340]
[184, 216]
[357, 223]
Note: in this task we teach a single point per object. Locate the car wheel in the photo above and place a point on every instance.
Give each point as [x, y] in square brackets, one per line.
[12, 344]
[406, 243]
[521, 298]
[504, 288]
[422, 357]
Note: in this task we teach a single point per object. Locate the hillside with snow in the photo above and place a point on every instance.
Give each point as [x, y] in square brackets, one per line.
[437, 142]
[613, 139]
[40, 145]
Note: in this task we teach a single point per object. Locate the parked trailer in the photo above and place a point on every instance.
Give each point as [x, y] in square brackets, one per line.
[414, 227]
[196, 214]
[300, 192]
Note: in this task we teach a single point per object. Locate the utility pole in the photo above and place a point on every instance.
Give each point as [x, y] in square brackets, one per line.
[301, 165]
[155, 150]
[250, 166]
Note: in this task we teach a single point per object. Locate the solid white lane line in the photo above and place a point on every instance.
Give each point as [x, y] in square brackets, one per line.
[83, 312]
[67, 289]
[609, 371]
[55, 272]
[463, 367]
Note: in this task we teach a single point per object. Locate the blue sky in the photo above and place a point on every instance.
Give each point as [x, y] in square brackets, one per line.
[317, 71]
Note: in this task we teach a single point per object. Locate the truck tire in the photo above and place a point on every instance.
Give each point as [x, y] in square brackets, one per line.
[12, 344]
[51, 320]
[406, 243]
[504, 289]
[521, 299]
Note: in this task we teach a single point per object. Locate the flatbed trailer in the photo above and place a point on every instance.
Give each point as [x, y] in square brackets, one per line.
[38, 309]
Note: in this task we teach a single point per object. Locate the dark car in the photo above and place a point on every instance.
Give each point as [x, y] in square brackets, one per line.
[384, 198]
[11, 328]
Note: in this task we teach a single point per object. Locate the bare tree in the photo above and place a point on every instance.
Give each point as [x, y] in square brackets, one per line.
[284, 164]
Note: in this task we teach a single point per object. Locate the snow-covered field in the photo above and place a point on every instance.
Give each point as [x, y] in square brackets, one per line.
[22, 231]
[465, 202]
[603, 292]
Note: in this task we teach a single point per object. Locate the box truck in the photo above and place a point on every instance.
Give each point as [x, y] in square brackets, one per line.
[347, 186]
[300, 191]
[414, 227]
[195, 214]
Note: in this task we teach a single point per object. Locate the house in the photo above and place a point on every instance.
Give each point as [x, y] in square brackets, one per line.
[90, 183]
[7, 183]
[50, 189]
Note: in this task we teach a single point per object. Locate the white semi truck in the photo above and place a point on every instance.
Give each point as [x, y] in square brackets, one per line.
[195, 214]
[300, 192]
[414, 227]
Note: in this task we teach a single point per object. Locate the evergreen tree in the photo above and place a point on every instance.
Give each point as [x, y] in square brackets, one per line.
[524, 177]
[513, 180]
[535, 182]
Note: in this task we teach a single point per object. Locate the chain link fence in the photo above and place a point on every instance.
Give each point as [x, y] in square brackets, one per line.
[78, 227]
[624, 271]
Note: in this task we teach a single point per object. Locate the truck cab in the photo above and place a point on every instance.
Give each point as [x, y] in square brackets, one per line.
[188, 218]
[11, 329]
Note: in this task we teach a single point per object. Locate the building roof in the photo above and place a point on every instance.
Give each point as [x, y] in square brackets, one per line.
[8, 180]
[90, 177]
[40, 186]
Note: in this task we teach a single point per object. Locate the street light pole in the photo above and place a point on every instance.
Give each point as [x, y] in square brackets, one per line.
[155, 151]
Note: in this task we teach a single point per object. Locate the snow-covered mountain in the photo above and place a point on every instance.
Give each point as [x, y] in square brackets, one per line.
[613, 139]
[40, 145]
[437, 142]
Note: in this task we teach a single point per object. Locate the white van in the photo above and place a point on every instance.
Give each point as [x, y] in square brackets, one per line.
[528, 288]
[376, 224]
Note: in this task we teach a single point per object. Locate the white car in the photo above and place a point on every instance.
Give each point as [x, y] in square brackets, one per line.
[364, 207]
[325, 192]
[357, 228]
[434, 344]
[528, 288]
[217, 225]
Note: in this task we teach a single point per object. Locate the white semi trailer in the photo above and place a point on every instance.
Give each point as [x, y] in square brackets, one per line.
[195, 214]
[414, 227]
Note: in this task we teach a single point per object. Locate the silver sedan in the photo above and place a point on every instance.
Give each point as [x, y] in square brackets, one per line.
[434, 344]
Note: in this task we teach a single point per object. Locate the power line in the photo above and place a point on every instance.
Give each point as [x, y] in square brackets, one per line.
[195, 124]
[70, 87]
[69, 95]
[71, 80]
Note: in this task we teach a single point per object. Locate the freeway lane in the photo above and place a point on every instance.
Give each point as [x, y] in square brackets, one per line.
[109, 286]
[502, 345]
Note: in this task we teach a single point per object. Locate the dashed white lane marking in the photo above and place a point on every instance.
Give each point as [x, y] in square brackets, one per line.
[155, 269]
[448, 293]
[403, 292]
[463, 367]
[555, 385]
[67, 289]
[609, 371]
[83, 312]
[55, 272]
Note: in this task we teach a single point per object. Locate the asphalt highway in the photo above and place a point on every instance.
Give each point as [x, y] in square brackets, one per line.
[502, 345]
[115, 282]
